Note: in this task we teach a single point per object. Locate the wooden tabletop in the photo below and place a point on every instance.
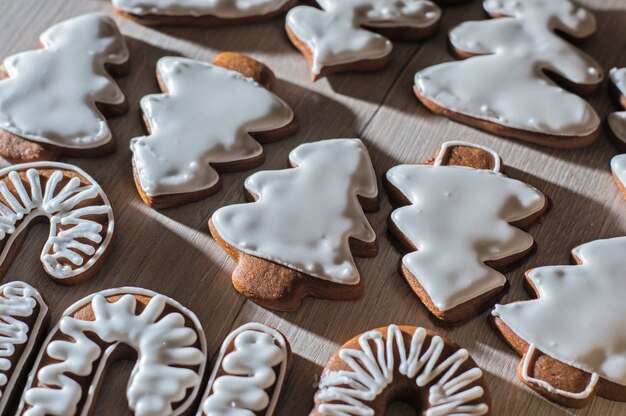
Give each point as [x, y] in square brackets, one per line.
[172, 252]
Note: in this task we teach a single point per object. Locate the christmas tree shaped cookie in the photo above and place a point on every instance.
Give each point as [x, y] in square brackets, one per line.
[572, 337]
[298, 236]
[209, 119]
[512, 73]
[461, 222]
[201, 12]
[617, 124]
[54, 100]
[351, 35]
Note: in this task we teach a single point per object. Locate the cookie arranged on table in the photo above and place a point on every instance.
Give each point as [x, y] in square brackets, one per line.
[24, 320]
[210, 118]
[249, 372]
[201, 12]
[461, 222]
[572, 336]
[78, 210]
[354, 35]
[53, 101]
[412, 363]
[298, 237]
[109, 326]
[617, 124]
[515, 72]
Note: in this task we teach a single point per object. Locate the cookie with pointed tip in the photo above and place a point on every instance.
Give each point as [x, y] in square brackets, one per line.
[460, 220]
[209, 119]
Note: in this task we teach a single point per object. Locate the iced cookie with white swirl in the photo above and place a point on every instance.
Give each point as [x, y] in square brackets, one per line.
[517, 76]
[460, 222]
[24, 319]
[54, 101]
[429, 372]
[249, 372]
[210, 119]
[354, 35]
[298, 236]
[201, 12]
[112, 325]
[72, 202]
[571, 337]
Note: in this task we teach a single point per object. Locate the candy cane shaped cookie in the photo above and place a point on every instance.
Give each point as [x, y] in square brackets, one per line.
[24, 318]
[249, 372]
[104, 327]
[79, 212]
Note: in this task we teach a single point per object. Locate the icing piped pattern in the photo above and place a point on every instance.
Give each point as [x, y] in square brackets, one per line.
[506, 84]
[165, 379]
[372, 367]
[76, 240]
[225, 9]
[249, 373]
[304, 217]
[50, 94]
[205, 116]
[336, 34]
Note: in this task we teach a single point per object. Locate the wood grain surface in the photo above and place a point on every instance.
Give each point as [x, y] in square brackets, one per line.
[172, 252]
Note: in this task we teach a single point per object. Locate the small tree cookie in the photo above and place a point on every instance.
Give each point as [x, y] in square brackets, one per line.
[617, 124]
[461, 222]
[298, 237]
[572, 336]
[53, 101]
[209, 119]
[512, 73]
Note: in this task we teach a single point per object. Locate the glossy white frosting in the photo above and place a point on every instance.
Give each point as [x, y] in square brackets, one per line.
[617, 120]
[226, 9]
[618, 167]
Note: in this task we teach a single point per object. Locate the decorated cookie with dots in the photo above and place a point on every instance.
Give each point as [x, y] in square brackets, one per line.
[348, 35]
[54, 100]
[518, 77]
[210, 118]
[249, 372]
[374, 369]
[617, 125]
[298, 237]
[460, 221]
[571, 337]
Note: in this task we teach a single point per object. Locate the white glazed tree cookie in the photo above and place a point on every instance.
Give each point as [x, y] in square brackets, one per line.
[617, 123]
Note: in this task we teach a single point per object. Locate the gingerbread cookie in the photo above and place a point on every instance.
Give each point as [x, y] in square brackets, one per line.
[111, 325]
[249, 372]
[401, 363]
[24, 319]
[617, 124]
[509, 81]
[79, 212]
[572, 336]
[53, 101]
[460, 223]
[349, 35]
[209, 119]
[201, 12]
[298, 237]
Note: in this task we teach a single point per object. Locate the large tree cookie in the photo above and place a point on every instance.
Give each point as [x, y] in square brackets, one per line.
[406, 363]
[461, 223]
[298, 237]
[53, 101]
[210, 118]
[514, 70]
[572, 337]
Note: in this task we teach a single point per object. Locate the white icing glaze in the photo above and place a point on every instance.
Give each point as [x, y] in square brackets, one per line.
[204, 117]
[617, 120]
[160, 380]
[17, 303]
[224, 9]
[573, 300]
[618, 167]
[506, 85]
[304, 217]
[68, 208]
[51, 93]
[464, 213]
[372, 367]
[249, 369]
[337, 34]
